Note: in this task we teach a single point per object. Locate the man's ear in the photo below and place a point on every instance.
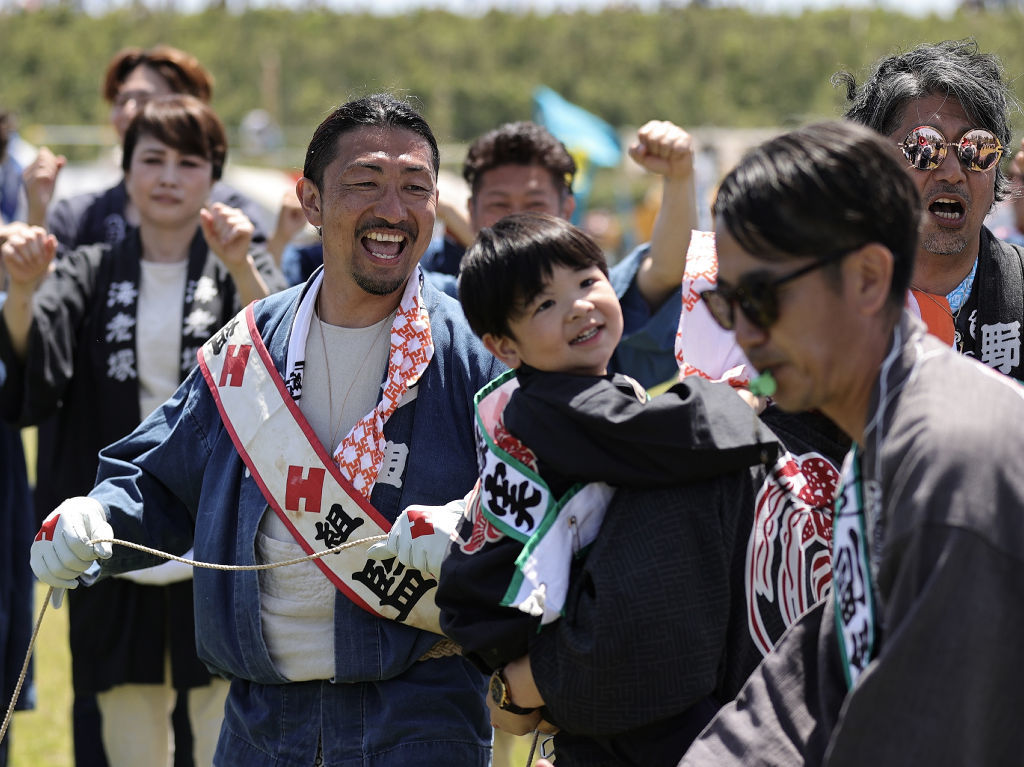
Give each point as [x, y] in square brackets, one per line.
[309, 197]
[504, 348]
[471, 212]
[871, 269]
[568, 206]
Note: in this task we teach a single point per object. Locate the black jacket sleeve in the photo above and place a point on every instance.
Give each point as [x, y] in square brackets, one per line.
[587, 429]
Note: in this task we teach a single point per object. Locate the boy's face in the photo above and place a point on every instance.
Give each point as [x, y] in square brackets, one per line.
[572, 326]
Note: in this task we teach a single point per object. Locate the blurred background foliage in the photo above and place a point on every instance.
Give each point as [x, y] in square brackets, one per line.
[697, 66]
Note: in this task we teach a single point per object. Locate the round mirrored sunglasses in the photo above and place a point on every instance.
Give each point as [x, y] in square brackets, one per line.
[925, 148]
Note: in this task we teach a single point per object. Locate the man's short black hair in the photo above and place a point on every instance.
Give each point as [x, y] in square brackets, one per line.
[379, 110]
[519, 143]
[510, 262]
[823, 190]
[952, 68]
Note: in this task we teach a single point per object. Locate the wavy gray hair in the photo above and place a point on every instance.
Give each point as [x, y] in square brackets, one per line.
[953, 68]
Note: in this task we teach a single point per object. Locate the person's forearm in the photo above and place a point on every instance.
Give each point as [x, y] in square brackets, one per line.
[17, 315]
[276, 244]
[456, 223]
[522, 687]
[662, 271]
[248, 281]
[36, 213]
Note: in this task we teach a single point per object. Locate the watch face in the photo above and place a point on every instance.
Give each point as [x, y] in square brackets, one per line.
[497, 689]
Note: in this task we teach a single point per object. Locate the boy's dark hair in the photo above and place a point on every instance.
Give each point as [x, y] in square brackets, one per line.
[379, 110]
[824, 189]
[508, 264]
[182, 122]
[182, 71]
[519, 143]
[953, 68]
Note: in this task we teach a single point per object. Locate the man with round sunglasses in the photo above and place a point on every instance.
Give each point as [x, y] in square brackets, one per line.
[967, 284]
[907, 660]
[944, 107]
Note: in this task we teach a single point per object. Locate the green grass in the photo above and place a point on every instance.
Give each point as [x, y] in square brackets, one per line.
[43, 736]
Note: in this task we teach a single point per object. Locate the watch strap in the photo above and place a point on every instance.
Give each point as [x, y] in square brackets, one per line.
[504, 700]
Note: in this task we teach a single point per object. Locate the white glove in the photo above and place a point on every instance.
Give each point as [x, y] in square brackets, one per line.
[61, 550]
[420, 536]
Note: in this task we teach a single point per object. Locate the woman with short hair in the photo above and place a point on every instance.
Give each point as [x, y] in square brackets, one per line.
[102, 337]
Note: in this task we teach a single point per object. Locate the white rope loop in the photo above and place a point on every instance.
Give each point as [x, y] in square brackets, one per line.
[165, 555]
[212, 566]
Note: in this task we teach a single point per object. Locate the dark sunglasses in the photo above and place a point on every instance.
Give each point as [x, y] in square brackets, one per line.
[757, 296]
[925, 148]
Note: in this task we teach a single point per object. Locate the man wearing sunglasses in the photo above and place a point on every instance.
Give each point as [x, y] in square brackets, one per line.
[967, 284]
[944, 107]
[907, 660]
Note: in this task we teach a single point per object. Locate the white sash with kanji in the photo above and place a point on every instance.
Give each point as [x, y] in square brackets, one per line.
[517, 501]
[856, 621]
[301, 483]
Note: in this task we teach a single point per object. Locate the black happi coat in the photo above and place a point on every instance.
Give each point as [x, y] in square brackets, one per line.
[989, 325]
[80, 367]
[941, 489]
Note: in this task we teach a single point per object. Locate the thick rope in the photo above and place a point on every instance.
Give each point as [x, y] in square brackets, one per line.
[165, 555]
[24, 667]
[533, 748]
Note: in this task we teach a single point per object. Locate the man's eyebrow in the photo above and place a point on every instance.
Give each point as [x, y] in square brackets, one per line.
[377, 168]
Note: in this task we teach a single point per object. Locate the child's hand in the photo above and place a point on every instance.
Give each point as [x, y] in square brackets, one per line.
[420, 536]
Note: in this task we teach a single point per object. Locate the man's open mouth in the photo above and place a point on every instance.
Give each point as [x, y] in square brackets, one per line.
[947, 209]
[384, 244]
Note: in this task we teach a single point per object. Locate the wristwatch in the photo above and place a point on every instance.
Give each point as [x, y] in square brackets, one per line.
[500, 693]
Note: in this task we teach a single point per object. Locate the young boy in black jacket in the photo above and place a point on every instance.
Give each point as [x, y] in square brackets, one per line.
[557, 436]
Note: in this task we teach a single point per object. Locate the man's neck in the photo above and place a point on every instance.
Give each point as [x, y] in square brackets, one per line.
[349, 306]
[940, 274]
[850, 411]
